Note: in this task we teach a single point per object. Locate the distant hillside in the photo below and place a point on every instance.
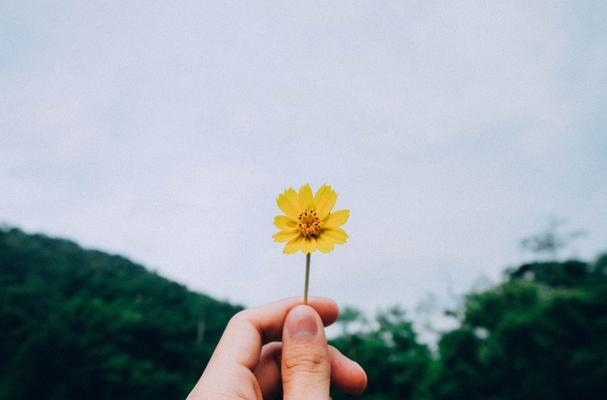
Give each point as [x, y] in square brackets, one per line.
[83, 324]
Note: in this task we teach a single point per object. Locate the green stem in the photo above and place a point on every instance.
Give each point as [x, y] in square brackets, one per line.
[307, 278]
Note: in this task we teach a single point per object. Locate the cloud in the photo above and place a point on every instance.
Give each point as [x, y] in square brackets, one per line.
[165, 131]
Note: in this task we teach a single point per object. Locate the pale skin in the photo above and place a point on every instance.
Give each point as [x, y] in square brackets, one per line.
[279, 351]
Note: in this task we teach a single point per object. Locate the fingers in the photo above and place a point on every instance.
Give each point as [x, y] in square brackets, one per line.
[268, 370]
[237, 354]
[248, 330]
[346, 375]
[305, 365]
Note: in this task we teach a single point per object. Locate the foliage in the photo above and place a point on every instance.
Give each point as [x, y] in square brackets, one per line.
[551, 240]
[540, 334]
[78, 323]
[390, 353]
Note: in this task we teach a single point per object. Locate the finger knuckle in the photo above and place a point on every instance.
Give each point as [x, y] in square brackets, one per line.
[308, 362]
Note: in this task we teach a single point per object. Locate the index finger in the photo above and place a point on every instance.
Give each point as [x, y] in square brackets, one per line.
[250, 329]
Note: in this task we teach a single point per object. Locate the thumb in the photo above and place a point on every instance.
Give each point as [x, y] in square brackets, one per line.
[305, 365]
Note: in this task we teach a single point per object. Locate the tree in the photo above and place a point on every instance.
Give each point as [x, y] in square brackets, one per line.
[390, 353]
[551, 240]
[79, 324]
[541, 334]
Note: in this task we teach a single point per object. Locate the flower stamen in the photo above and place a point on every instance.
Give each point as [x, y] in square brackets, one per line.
[309, 223]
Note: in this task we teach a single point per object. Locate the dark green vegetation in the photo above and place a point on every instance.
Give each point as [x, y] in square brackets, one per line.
[542, 334]
[81, 324]
[78, 324]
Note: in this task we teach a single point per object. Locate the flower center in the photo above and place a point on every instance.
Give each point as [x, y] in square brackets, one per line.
[309, 224]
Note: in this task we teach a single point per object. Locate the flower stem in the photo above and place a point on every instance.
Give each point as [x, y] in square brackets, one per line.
[307, 278]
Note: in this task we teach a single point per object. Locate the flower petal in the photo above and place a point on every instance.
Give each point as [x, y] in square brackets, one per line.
[293, 198]
[338, 235]
[285, 236]
[324, 244]
[325, 200]
[286, 204]
[336, 219]
[284, 222]
[293, 245]
[308, 245]
[306, 200]
[320, 193]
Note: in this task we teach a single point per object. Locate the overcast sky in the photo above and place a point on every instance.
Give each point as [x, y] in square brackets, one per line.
[164, 131]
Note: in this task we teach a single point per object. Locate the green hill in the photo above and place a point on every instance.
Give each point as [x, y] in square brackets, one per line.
[77, 323]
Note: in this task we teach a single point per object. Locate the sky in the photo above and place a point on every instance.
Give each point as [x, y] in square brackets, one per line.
[163, 131]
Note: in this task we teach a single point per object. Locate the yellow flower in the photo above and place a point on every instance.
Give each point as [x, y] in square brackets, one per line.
[308, 223]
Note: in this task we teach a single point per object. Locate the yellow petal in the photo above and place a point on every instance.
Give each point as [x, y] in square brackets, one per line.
[284, 222]
[308, 245]
[293, 245]
[336, 234]
[336, 219]
[325, 200]
[285, 236]
[286, 204]
[306, 200]
[293, 198]
[320, 193]
[324, 244]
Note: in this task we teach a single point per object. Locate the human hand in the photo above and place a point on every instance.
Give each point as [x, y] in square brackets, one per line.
[251, 363]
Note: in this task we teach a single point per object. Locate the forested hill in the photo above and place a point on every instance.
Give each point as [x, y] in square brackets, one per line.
[77, 323]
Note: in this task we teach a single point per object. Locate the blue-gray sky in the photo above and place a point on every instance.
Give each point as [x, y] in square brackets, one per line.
[164, 131]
